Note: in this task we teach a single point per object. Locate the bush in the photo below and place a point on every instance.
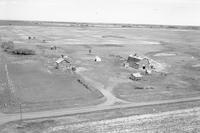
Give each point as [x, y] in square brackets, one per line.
[23, 51]
[139, 88]
[7, 46]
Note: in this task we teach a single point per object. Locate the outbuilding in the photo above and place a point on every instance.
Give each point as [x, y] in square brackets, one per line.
[97, 59]
[63, 59]
[135, 76]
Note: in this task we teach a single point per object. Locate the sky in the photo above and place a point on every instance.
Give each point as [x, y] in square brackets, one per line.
[169, 12]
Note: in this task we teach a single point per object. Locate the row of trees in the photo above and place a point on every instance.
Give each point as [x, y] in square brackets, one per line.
[10, 48]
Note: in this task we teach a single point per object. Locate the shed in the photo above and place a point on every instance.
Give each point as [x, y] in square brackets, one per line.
[97, 59]
[136, 76]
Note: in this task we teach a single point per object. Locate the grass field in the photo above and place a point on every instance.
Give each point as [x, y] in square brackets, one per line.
[37, 87]
[34, 81]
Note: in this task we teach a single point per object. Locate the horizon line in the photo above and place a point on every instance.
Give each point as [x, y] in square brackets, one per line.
[111, 23]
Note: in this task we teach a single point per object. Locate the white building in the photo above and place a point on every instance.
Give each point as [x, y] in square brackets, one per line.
[97, 59]
[136, 76]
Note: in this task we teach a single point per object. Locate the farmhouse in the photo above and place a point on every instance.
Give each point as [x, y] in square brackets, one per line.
[61, 60]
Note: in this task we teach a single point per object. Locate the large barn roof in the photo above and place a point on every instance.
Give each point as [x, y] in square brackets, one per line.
[134, 58]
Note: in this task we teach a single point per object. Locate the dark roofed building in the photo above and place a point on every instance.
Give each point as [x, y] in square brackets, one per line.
[138, 62]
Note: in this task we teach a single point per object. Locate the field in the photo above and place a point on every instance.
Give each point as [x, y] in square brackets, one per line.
[33, 81]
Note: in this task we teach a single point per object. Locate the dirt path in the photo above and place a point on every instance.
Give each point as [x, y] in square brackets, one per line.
[10, 83]
[107, 92]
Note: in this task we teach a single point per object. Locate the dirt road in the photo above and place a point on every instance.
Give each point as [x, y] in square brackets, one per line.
[111, 99]
[70, 111]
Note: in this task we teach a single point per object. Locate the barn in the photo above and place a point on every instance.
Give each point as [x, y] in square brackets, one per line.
[138, 62]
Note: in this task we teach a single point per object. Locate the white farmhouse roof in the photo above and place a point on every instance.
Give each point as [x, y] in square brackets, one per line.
[59, 60]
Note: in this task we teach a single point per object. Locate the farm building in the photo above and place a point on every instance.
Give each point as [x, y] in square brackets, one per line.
[59, 60]
[136, 76]
[138, 62]
[67, 59]
[97, 59]
[62, 59]
[53, 47]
